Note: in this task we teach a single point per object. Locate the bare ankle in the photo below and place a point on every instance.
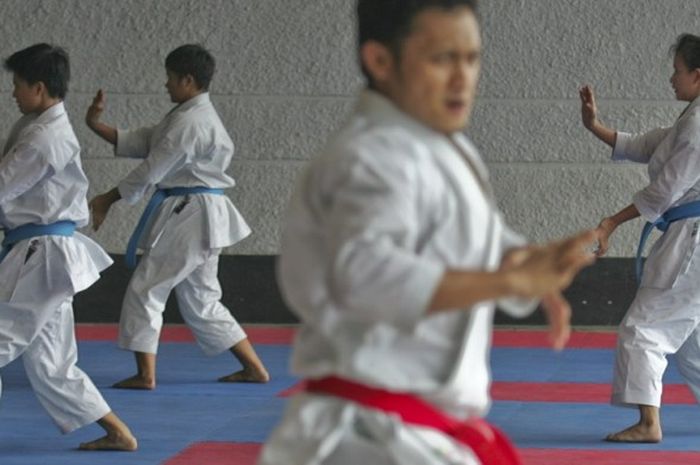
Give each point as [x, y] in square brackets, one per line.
[649, 416]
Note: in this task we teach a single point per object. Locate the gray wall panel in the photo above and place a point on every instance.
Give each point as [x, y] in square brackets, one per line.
[287, 76]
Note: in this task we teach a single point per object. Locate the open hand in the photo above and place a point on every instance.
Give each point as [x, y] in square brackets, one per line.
[603, 233]
[589, 109]
[95, 110]
[560, 262]
[558, 313]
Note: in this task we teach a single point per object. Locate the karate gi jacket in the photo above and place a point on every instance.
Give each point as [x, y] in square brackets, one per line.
[375, 221]
[190, 147]
[673, 159]
[42, 182]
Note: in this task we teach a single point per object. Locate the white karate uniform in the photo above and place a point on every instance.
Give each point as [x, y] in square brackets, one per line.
[42, 182]
[375, 222]
[182, 242]
[665, 315]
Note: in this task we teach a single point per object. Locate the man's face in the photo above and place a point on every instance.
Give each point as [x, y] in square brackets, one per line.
[684, 81]
[435, 77]
[177, 87]
[27, 96]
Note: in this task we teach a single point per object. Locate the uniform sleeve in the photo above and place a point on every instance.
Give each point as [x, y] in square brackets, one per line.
[133, 144]
[511, 239]
[680, 172]
[376, 272]
[638, 147]
[20, 170]
[518, 308]
[169, 155]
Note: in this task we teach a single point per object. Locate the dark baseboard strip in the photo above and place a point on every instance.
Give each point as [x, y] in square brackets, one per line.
[599, 296]
[249, 291]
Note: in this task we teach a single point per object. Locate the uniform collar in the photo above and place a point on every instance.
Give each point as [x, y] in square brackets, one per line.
[51, 113]
[690, 107]
[378, 108]
[695, 102]
[200, 99]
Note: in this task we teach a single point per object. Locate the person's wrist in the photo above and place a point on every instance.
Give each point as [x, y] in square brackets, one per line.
[609, 223]
[514, 284]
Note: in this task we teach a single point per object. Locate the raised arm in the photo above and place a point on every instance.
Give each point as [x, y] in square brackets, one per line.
[20, 170]
[589, 117]
[92, 119]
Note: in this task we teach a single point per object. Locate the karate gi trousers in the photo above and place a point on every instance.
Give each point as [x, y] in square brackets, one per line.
[178, 259]
[659, 322]
[36, 323]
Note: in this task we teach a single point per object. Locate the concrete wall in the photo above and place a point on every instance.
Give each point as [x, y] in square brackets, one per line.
[287, 76]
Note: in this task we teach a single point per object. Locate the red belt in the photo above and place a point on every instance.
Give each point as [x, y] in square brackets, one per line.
[488, 443]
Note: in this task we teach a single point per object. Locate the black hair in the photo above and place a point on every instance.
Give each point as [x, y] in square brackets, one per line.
[42, 63]
[688, 47]
[389, 22]
[192, 59]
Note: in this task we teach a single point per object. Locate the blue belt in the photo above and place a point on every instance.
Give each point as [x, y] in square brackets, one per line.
[27, 231]
[158, 197]
[681, 212]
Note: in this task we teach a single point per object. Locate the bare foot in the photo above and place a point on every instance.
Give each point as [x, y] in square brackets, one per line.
[111, 442]
[247, 375]
[640, 432]
[136, 382]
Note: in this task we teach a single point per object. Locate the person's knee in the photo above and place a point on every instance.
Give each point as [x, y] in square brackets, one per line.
[47, 370]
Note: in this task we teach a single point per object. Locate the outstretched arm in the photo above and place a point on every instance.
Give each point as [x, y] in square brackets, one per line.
[589, 117]
[528, 272]
[92, 119]
[535, 273]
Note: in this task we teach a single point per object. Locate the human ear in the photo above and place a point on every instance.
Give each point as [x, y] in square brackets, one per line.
[39, 88]
[378, 60]
[189, 81]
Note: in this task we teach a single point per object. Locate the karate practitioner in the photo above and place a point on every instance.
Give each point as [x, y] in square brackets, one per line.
[185, 158]
[664, 317]
[44, 260]
[404, 255]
